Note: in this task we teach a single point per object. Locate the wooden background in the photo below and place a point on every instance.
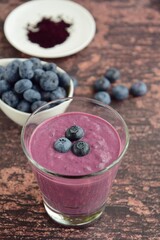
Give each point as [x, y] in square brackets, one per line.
[127, 37]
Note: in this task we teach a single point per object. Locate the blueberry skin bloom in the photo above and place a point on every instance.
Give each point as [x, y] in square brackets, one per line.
[4, 86]
[80, 148]
[102, 84]
[26, 69]
[138, 89]
[31, 95]
[74, 133]
[22, 85]
[10, 98]
[112, 74]
[23, 106]
[103, 97]
[120, 92]
[62, 145]
[49, 81]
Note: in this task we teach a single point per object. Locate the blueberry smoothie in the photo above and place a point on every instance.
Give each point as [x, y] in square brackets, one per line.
[76, 189]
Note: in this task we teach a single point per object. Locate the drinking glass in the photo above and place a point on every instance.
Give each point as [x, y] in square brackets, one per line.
[75, 200]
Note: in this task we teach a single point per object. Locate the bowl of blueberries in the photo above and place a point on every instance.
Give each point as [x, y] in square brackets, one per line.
[27, 84]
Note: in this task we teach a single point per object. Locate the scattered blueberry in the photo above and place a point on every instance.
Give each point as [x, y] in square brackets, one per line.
[10, 98]
[49, 81]
[80, 148]
[112, 74]
[64, 79]
[4, 86]
[22, 85]
[23, 106]
[31, 95]
[74, 133]
[26, 69]
[102, 84]
[138, 89]
[50, 67]
[2, 72]
[120, 92]
[36, 63]
[38, 104]
[12, 72]
[103, 97]
[62, 145]
[58, 93]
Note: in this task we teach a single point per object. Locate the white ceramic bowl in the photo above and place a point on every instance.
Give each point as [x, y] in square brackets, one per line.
[20, 117]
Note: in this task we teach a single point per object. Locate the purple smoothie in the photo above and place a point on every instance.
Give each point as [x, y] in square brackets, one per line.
[75, 195]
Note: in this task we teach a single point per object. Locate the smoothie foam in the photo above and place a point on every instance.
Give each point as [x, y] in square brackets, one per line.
[100, 135]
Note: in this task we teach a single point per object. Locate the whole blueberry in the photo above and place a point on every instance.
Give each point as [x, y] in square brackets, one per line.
[12, 72]
[23, 106]
[103, 97]
[49, 81]
[102, 84]
[50, 67]
[112, 74]
[80, 148]
[2, 72]
[58, 93]
[37, 75]
[36, 63]
[64, 79]
[4, 86]
[138, 89]
[62, 145]
[22, 85]
[10, 98]
[74, 133]
[26, 69]
[120, 92]
[31, 95]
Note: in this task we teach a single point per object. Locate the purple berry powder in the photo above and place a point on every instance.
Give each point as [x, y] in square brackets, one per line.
[48, 33]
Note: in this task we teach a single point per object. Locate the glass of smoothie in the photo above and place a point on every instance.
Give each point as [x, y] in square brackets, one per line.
[75, 147]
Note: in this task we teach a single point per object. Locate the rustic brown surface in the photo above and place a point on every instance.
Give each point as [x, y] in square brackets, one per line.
[128, 37]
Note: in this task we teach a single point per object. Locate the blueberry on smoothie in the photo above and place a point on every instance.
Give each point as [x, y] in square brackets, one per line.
[74, 133]
[80, 148]
[112, 74]
[138, 89]
[62, 145]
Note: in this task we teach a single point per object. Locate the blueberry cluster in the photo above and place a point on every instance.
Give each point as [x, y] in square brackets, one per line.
[104, 92]
[72, 134]
[27, 85]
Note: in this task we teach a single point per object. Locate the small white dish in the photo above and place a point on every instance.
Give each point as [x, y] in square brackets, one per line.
[82, 30]
[20, 117]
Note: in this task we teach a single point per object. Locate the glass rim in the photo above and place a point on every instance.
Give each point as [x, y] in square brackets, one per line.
[99, 172]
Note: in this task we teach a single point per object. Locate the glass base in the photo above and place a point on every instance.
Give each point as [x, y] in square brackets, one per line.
[67, 220]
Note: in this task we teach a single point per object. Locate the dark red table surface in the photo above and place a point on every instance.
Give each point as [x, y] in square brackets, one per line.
[127, 37]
